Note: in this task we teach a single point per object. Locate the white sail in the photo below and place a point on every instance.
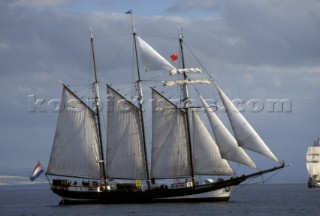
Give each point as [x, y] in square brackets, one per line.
[75, 150]
[313, 160]
[125, 153]
[245, 135]
[181, 82]
[169, 140]
[206, 156]
[186, 70]
[151, 59]
[228, 146]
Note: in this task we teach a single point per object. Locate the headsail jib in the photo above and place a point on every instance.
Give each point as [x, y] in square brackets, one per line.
[206, 155]
[228, 146]
[245, 135]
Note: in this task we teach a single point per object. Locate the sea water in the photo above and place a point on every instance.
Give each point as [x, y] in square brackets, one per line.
[255, 200]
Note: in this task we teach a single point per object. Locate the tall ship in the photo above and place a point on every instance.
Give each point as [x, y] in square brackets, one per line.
[180, 159]
[313, 164]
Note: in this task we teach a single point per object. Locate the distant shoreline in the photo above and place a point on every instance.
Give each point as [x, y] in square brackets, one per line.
[11, 180]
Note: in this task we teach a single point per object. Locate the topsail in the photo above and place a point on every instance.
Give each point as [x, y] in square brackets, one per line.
[151, 59]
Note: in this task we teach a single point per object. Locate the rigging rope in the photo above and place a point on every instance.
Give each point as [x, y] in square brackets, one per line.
[263, 181]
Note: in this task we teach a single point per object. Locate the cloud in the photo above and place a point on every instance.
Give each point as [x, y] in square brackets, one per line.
[267, 32]
[278, 31]
[4, 46]
[38, 3]
[189, 5]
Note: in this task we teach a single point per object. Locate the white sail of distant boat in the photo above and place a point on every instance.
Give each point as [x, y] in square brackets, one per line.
[313, 164]
[313, 160]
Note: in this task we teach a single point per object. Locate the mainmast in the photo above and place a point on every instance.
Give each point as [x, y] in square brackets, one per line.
[97, 104]
[186, 105]
[140, 98]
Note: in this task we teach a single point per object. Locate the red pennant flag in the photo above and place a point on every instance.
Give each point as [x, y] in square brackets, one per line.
[174, 56]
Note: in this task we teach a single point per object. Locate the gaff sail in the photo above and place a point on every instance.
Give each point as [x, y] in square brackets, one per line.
[75, 149]
[125, 155]
[169, 158]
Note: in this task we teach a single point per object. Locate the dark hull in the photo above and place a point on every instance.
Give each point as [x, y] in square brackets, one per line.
[313, 184]
[218, 191]
[203, 193]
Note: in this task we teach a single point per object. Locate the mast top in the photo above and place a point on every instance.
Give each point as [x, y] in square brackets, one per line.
[132, 22]
[180, 33]
[91, 33]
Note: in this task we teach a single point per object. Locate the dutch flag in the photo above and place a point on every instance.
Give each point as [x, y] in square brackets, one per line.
[36, 172]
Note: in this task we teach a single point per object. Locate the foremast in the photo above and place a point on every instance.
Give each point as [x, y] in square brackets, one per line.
[140, 102]
[97, 105]
[186, 105]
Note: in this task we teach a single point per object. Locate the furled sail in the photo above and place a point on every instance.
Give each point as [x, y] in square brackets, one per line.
[313, 160]
[186, 70]
[169, 140]
[228, 146]
[245, 135]
[125, 153]
[206, 156]
[181, 82]
[75, 150]
[151, 59]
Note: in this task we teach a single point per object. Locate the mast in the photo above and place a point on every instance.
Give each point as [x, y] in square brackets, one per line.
[186, 105]
[140, 98]
[97, 103]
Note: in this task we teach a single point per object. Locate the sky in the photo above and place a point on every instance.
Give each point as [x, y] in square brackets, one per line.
[254, 49]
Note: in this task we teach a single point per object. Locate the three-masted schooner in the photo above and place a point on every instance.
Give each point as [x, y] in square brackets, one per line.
[313, 164]
[182, 148]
